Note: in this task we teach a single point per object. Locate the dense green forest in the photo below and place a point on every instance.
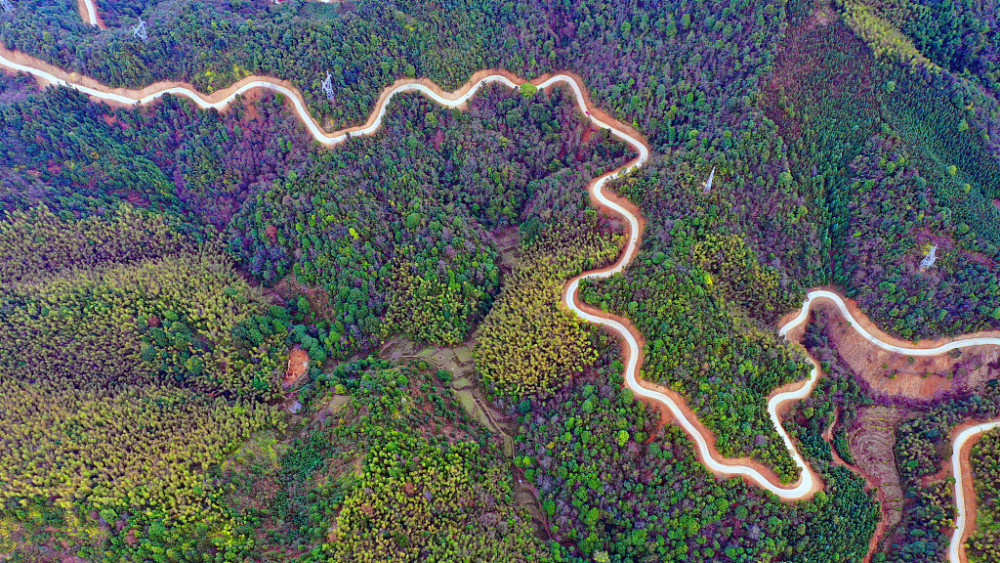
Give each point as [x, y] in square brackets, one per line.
[922, 446]
[985, 542]
[158, 262]
[119, 298]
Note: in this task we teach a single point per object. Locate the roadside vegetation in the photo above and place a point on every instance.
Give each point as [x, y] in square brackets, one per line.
[157, 263]
[985, 459]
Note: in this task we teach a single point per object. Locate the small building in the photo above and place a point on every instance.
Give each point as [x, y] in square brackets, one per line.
[929, 260]
[708, 183]
[328, 87]
[139, 31]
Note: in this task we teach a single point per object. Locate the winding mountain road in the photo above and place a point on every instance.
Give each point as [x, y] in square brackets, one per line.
[808, 482]
[964, 516]
[88, 11]
[963, 496]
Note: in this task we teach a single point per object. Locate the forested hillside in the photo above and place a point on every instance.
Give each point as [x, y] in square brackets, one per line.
[126, 303]
[922, 444]
[985, 543]
[159, 263]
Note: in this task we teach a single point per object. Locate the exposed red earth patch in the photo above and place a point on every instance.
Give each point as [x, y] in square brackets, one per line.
[298, 366]
[897, 375]
[81, 6]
